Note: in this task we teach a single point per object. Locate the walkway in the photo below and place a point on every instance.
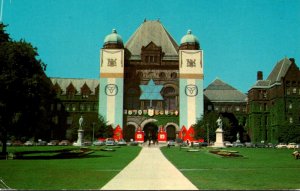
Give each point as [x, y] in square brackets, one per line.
[150, 170]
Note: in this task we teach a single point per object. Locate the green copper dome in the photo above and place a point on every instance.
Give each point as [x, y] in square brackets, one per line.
[113, 38]
[189, 38]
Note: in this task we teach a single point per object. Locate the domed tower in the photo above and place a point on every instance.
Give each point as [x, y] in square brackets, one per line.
[113, 41]
[189, 42]
[190, 80]
[112, 79]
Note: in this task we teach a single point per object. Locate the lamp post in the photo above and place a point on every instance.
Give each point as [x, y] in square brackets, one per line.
[93, 133]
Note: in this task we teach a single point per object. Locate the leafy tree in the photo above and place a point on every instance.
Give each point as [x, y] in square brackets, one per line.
[289, 132]
[25, 90]
[205, 128]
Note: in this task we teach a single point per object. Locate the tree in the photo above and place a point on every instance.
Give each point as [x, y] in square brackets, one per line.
[205, 127]
[25, 90]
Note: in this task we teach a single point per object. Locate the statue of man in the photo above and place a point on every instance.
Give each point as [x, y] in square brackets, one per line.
[80, 122]
[219, 122]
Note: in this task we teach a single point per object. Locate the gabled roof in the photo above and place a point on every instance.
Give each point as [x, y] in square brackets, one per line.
[219, 91]
[279, 71]
[275, 76]
[152, 31]
[76, 82]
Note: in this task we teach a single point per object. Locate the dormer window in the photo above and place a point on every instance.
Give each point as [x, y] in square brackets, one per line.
[85, 91]
[151, 54]
[71, 91]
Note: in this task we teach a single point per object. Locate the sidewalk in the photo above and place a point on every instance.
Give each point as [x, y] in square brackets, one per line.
[150, 170]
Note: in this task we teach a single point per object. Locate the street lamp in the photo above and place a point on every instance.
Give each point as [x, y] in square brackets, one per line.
[93, 132]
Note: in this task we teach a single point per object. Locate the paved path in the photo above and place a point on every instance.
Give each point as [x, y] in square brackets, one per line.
[150, 170]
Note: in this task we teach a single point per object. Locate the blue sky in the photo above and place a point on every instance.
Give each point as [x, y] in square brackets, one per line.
[238, 37]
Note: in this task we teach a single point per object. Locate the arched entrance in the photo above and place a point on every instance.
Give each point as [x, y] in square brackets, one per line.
[171, 132]
[129, 132]
[150, 130]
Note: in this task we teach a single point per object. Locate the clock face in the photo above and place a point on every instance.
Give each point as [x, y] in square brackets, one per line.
[191, 90]
[111, 89]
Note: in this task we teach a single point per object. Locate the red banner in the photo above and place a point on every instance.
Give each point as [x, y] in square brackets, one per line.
[182, 133]
[190, 134]
[162, 135]
[139, 135]
[118, 134]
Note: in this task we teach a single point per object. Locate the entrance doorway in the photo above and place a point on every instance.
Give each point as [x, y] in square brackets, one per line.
[129, 132]
[150, 130]
[171, 132]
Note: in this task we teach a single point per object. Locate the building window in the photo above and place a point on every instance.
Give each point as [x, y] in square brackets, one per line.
[67, 107]
[173, 75]
[88, 107]
[291, 119]
[217, 108]
[288, 91]
[237, 108]
[73, 107]
[265, 107]
[209, 107]
[162, 75]
[81, 107]
[169, 95]
[69, 120]
[95, 107]
[294, 90]
[290, 105]
[58, 107]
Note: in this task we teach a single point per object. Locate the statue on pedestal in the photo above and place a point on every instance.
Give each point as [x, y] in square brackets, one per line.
[80, 122]
[219, 122]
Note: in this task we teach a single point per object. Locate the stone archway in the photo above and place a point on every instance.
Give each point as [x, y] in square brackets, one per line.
[150, 130]
[129, 131]
[171, 132]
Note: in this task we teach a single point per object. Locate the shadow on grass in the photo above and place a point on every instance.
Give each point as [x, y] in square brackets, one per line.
[58, 157]
[56, 154]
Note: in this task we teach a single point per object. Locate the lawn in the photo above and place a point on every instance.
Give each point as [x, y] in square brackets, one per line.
[259, 168]
[90, 172]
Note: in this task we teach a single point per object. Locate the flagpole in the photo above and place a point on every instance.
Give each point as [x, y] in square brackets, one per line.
[2, 3]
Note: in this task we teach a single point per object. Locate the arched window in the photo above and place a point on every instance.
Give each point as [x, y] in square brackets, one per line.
[169, 95]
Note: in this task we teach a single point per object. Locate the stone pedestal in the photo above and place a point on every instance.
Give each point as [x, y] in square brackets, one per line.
[80, 138]
[219, 138]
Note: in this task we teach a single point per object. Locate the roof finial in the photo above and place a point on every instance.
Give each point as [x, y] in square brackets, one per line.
[114, 31]
[189, 31]
[145, 20]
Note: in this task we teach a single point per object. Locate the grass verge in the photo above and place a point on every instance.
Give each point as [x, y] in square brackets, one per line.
[90, 172]
[258, 169]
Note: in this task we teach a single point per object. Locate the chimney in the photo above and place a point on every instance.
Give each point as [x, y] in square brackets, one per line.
[260, 75]
[292, 60]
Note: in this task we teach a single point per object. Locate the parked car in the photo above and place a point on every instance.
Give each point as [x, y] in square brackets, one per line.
[237, 144]
[195, 144]
[87, 143]
[53, 143]
[110, 142]
[29, 143]
[122, 142]
[292, 146]
[41, 143]
[64, 143]
[17, 143]
[281, 145]
[171, 143]
[260, 145]
[249, 145]
[98, 143]
[203, 144]
[228, 144]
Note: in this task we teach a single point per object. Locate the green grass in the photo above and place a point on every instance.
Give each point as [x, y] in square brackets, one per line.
[90, 172]
[261, 168]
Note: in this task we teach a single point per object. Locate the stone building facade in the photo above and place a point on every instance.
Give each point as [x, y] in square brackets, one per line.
[274, 103]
